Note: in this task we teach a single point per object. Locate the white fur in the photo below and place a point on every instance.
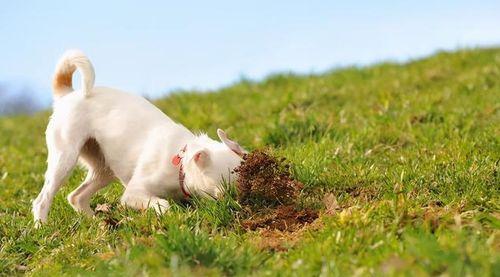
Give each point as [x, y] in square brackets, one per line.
[137, 142]
[75, 59]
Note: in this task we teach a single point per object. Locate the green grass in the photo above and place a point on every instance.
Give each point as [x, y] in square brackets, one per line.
[410, 151]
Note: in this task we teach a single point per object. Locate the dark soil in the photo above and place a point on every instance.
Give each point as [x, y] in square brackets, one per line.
[283, 218]
[269, 194]
[263, 179]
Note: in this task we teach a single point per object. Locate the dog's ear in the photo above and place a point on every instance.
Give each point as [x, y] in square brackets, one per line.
[234, 146]
[201, 158]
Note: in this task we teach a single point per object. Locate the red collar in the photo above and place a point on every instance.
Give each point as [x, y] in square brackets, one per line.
[177, 161]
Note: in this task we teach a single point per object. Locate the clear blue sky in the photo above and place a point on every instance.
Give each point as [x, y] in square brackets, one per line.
[151, 47]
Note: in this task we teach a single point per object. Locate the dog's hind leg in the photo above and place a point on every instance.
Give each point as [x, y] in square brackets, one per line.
[80, 197]
[63, 150]
[98, 177]
[60, 164]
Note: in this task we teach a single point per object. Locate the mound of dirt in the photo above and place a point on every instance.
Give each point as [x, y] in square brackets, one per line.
[265, 180]
[269, 194]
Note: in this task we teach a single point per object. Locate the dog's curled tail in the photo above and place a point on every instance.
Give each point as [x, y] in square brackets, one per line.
[71, 60]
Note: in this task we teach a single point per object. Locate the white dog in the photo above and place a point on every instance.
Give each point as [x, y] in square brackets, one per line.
[117, 135]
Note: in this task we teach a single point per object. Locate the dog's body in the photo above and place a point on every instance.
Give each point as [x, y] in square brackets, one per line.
[122, 136]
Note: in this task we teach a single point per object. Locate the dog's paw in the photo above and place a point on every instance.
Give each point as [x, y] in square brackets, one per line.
[38, 224]
[160, 206]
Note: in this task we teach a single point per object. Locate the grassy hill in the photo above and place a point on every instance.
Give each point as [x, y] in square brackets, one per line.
[410, 153]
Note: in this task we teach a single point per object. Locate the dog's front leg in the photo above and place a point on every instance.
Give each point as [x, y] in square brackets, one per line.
[141, 199]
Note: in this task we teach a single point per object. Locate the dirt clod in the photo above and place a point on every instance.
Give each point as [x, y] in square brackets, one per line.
[264, 179]
[269, 194]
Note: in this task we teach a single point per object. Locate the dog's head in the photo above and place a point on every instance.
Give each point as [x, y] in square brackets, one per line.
[208, 164]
